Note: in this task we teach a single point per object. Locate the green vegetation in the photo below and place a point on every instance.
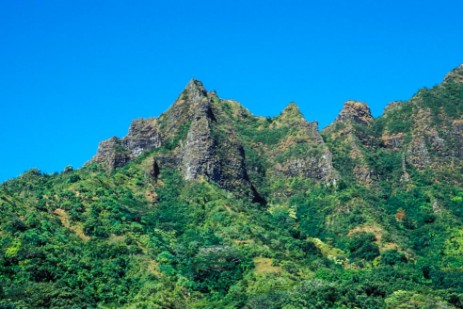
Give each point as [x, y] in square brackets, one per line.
[88, 238]
[381, 231]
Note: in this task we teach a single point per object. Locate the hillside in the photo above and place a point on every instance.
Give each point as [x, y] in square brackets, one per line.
[210, 206]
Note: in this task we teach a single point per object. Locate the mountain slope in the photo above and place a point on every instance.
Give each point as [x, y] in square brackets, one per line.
[210, 206]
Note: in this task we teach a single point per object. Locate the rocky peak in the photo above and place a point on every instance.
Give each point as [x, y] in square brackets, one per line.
[185, 107]
[195, 91]
[355, 111]
[355, 141]
[192, 101]
[144, 135]
[292, 117]
[456, 75]
[212, 150]
[301, 153]
[111, 154]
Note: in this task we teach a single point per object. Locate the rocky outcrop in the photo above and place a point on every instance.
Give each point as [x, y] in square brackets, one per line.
[303, 152]
[184, 109]
[355, 111]
[350, 131]
[354, 119]
[144, 135]
[317, 166]
[213, 152]
[149, 134]
[198, 154]
[111, 153]
[291, 115]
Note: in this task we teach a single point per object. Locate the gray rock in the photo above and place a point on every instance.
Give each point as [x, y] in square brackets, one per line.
[111, 153]
[198, 155]
[144, 135]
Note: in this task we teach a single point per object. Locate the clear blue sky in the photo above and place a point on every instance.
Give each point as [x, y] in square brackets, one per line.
[73, 73]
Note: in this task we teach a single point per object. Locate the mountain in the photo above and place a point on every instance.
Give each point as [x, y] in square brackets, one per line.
[210, 206]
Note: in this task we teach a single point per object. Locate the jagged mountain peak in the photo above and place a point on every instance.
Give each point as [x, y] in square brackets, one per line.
[195, 83]
[195, 90]
[290, 114]
[232, 203]
[356, 111]
[192, 95]
[456, 75]
[291, 109]
[192, 102]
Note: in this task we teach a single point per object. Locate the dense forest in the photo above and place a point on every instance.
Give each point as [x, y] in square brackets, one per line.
[209, 206]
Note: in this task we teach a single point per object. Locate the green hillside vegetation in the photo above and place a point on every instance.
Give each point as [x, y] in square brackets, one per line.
[209, 206]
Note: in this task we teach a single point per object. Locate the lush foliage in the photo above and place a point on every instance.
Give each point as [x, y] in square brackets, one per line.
[91, 238]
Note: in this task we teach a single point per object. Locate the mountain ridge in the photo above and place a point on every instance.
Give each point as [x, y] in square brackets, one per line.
[195, 101]
[209, 206]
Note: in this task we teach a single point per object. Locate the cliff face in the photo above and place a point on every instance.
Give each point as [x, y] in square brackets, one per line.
[198, 154]
[112, 153]
[144, 135]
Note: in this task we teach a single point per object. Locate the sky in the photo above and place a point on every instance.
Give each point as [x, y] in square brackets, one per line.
[73, 73]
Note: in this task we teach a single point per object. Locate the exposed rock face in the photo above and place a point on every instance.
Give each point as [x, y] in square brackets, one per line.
[111, 153]
[196, 91]
[212, 148]
[356, 111]
[147, 134]
[317, 167]
[144, 135]
[185, 108]
[198, 156]
[212, 151]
